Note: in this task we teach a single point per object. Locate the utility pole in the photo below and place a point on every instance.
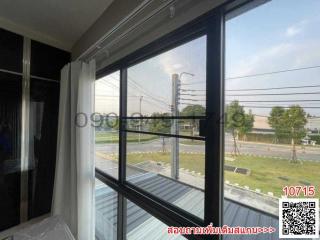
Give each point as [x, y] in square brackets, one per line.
[175, 127]
[140, 121]
[176, 82]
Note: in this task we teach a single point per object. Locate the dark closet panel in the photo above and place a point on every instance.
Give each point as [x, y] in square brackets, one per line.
[10, 128]
[11, 51]
[47, 61]
[44, 107]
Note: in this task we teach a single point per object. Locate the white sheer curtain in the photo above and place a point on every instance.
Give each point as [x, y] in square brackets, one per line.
[73, 196]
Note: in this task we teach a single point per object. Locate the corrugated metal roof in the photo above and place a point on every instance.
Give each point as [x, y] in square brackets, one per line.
[181, 195]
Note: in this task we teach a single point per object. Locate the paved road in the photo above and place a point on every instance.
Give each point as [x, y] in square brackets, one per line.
[309, 153]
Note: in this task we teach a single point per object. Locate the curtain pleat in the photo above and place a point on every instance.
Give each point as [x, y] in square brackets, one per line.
[73, 196]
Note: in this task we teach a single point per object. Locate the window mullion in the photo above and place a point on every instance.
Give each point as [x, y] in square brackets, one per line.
[122, 208]
[122, 125]
[214, 138]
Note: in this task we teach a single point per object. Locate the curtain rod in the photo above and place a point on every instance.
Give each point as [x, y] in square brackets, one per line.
[138, 9]
[98, 48]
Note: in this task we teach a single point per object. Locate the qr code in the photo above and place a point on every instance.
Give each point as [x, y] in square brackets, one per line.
[298, 218]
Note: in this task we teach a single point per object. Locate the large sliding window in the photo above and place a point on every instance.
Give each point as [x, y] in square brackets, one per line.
[272, 103]
[157, 125]
[166, 99]
[215, 119]
[106, 122]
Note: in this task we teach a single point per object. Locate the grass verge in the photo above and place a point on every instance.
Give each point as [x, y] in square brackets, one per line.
[113, 137]
[265, 171]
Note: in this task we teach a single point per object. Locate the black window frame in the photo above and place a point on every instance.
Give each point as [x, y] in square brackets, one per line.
[212, 25]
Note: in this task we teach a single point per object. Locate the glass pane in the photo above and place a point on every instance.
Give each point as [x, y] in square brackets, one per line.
[44, 66]
[106, 121]
[106, 212]
[43, 128]
[142, 225]
[272, 106]
[186, 127]
[11, 48]
[10, 122]
[150, 167]
[170, 82]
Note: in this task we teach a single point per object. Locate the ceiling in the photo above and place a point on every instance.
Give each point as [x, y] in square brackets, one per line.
[56, 22]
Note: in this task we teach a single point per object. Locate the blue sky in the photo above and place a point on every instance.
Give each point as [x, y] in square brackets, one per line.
[279, 35]
[152, 80]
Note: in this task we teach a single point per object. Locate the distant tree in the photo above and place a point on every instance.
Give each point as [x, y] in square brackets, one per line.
[238, 122]
[192, 111]
[290, 123]
[160, 125]
[276, 121]
[247, 125]
[295, 118]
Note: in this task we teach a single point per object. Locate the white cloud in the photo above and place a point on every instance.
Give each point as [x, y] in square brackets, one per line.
[261, 61]
[292, 31]
[295, 29]
[279, 57]
[177, 66]
[171, 62]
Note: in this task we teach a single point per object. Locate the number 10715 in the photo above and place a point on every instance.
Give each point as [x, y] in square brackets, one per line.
[295, 191]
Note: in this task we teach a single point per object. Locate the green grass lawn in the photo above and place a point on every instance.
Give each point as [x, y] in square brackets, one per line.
[113, 137]
[107, 137]
[193, 162]
[265, 172]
